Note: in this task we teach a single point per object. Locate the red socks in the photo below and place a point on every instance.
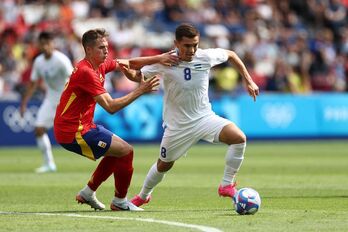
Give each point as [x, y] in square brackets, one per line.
[104, 169]
[123, 175]
[122, 167]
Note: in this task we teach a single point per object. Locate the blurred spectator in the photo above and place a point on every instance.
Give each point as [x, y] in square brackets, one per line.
[279, 80]
[298, 83]
[322, 76]
[226, 78]
[121, 84]
[335, 16]
[291, 45]
[2, 83]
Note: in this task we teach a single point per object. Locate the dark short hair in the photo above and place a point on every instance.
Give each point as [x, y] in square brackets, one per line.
[46, 35]
[90, 37]
[185, 30]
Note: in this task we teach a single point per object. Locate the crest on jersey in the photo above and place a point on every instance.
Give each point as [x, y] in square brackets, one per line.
[101, 78]
[75, 69]
[197, 66]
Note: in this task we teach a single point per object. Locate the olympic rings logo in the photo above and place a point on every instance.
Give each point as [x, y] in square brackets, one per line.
[16, 123]
[278, 115]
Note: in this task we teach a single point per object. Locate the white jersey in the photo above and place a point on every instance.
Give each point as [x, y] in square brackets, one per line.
[55, 71]
[186, 87]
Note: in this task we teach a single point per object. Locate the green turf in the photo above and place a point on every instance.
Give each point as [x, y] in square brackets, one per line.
[303, 186]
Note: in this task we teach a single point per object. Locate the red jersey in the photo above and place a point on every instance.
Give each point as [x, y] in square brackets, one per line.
[75, 110]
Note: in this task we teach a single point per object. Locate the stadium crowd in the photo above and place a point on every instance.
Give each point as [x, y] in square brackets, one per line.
[291, 46]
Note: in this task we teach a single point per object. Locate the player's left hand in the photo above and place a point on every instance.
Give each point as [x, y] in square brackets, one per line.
[253, 89]
[169, 58]
[123, 64]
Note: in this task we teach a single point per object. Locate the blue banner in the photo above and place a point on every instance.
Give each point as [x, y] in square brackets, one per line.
[141, 121]
[284, 116]
[332, 114]
[15, 130]
[271, 116]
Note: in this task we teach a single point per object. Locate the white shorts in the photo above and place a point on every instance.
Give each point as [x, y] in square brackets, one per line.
[176, 143]
[45, 114]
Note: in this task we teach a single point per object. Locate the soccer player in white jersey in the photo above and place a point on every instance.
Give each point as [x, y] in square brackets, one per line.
[187, 112]
[54, 68]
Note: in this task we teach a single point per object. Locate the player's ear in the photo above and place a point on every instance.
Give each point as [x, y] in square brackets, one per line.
[88, 50]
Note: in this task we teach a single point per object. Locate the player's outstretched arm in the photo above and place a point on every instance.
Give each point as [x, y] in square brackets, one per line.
[169, 58]
[27, 95]
[131, 74]
[112, 105]
[251, 87]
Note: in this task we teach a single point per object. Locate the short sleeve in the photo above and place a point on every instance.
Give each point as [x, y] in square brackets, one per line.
[34, 75]
[216, 56]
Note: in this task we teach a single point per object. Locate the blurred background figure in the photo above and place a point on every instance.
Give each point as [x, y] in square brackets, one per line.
[53, 68]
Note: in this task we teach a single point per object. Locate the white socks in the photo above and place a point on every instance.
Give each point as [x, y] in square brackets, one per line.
[44, 144]
[234, 158]
[152, 179]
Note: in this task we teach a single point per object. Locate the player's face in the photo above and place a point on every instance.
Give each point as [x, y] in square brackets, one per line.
[187, 47]
[46, 46]
[99, 52]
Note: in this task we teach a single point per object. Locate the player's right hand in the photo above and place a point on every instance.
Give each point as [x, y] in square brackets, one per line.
[169, 58]
[253, 90]
[123, 64]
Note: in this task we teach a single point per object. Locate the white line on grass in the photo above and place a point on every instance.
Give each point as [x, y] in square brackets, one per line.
[179, 224]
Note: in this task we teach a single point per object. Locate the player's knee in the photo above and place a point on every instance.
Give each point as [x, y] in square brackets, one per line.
[238, 139]
[164, 166]
[39, 131]
[242, 138]
[121, 150]
[127, 150]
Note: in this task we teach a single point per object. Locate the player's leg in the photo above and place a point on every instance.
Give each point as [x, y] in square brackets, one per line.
[236, 139]
[117, 160]
[45, 120]
[93, 145]
[123, 154]
[216, 129]
[173, 146]
[153, 178]
[99, 142]
[117, 153]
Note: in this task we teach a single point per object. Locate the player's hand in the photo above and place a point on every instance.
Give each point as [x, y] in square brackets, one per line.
[253, 89]
[150, 84]
[123, 64]
[169, 58]
[22, 110]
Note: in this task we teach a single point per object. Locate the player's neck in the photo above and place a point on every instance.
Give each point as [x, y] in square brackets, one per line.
[48, 55]
[92, 64]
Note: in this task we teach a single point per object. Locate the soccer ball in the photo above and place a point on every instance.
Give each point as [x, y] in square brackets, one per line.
[247, 201]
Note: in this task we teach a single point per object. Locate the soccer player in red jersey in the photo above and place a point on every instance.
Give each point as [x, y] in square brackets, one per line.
[75, 130]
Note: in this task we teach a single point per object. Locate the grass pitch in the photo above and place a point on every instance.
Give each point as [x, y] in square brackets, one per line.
[303, 186]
